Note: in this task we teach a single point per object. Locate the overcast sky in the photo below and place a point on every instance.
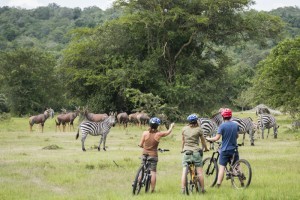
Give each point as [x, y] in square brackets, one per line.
[266, 5]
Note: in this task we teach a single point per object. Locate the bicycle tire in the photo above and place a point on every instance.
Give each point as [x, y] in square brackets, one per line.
[241, 174]
[138, 181]
[211, 174]
[187, 180]
[148, 182]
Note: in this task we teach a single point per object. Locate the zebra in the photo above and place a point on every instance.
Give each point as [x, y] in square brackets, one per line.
[267, 121]
[217, 118]
[209, 128]
[95, 129]
[246, 126]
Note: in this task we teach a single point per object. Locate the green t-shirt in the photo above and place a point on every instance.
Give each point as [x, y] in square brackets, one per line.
[191, 138]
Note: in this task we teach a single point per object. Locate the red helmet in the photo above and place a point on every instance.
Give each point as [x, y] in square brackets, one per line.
[226, 112]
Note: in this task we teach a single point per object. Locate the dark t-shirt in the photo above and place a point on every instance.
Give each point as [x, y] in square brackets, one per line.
[229, 131]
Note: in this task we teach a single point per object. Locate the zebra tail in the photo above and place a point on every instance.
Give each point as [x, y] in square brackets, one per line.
[77, 135]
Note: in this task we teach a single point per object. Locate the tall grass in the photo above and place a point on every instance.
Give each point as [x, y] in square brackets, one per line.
[51, 165]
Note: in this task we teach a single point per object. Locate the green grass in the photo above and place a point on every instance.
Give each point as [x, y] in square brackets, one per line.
[51, 165]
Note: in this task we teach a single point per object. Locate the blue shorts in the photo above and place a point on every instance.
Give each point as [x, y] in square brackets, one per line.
[226, 156]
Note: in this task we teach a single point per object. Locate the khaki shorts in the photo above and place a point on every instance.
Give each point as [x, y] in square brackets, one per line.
[152, 162]
[196, 157]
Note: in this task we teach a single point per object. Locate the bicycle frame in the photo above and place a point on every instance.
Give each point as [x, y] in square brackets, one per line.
[239, 172]
[143, 176]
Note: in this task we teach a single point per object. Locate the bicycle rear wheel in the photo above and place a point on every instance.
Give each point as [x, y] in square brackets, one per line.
[187, 180]
[241, 174]
[210, 172]
[138, 181]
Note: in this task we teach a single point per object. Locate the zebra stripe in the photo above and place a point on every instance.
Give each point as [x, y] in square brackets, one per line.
[209, 128]
[95, 129]
[246, 126]
[217, 118]
[267, 121]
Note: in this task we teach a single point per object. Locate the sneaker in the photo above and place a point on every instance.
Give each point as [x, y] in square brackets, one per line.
[203, 191]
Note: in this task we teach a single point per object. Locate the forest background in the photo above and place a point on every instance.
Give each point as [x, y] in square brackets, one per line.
[172, 57]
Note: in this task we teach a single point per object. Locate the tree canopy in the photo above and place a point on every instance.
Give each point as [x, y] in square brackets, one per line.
[277, 81]
[158, 56]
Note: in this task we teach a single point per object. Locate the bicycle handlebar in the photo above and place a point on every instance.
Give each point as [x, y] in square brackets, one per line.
[162, 150]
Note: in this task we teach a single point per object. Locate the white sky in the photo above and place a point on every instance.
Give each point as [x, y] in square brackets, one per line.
[265, 5]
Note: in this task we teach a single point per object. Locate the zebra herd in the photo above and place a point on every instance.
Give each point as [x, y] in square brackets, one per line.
[208, 125]
[100, 124]
[246, 125]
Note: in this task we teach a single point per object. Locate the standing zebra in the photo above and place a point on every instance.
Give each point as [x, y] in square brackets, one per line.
[96, 128]
[217, 118]
[246, 126]
[209, 128]
[267, 121]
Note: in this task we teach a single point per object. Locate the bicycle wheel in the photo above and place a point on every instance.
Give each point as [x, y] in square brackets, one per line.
[210, 172]
[241, 174]
[138, 181]
[187, 180]
[148, 181]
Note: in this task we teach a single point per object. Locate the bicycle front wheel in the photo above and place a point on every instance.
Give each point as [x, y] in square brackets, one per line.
[241, 174]
[138, 181]
[210, 172]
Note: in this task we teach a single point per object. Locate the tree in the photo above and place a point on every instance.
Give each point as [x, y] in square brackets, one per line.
[29, 81]
[172, 49]
[277, 80]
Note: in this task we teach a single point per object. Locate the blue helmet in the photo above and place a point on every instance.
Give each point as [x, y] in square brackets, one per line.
[154, 120]
[192, 118]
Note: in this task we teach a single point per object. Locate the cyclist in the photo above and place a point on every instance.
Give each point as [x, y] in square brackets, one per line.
[191, 134]
[149, 142]
[229, 132]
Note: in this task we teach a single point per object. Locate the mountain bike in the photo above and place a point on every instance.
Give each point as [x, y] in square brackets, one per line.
[143, 175]
[192, 182]
[240, 172]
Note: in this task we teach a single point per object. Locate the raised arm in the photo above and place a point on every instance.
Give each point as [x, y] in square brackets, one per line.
[165, 133]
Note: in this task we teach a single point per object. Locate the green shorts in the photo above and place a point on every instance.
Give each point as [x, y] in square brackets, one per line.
[196, 157]
[152, 163]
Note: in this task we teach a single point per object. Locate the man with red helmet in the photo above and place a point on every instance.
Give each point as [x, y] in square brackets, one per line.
[229, 132]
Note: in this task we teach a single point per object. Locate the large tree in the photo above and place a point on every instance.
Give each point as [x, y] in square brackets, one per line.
[28, 80]
[173, 49]
[277, 81]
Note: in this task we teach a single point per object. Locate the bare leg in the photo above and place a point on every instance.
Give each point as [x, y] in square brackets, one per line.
[183, 177]
[153, 180]
[221, 174]
[201, 178]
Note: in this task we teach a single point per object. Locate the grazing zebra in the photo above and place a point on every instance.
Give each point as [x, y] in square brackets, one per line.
[209, 128]
[246, 126]
[267, 121]
[96, 128]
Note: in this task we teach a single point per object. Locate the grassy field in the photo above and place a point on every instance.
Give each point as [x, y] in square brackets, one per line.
[51, 165]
